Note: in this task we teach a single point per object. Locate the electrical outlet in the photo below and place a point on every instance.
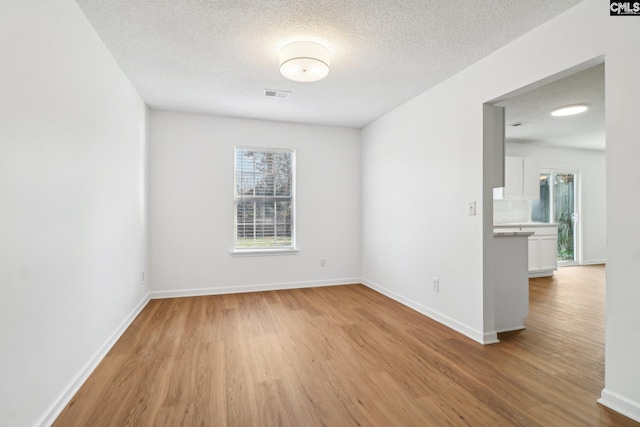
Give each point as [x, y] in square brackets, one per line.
[323, 262]
[436, 284]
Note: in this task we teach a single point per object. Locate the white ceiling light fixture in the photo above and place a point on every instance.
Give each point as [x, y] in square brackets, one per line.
[304, 62]
[569, 110]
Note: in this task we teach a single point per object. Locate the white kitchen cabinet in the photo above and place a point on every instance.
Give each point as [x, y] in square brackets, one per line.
[543, 250]
[521, 180]
[530, 179]
[548, 252]
[513, 177]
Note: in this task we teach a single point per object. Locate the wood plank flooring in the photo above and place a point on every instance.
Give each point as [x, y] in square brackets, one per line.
[348, 356]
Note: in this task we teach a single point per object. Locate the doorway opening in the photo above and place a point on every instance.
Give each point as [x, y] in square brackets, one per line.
[571, 160]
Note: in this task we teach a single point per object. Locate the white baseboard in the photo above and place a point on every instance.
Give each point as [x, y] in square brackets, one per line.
[621, 404]
[511, 328]
[251, 288]
[545, 273]
[481, 337]
[70, 390]
[490, 338]
[593, 262]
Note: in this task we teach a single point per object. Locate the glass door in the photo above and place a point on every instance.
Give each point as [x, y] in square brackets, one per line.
[564, 214]
[557, 204]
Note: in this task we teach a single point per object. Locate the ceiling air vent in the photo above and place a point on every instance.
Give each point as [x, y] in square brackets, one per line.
[518, 124]
[269, 93]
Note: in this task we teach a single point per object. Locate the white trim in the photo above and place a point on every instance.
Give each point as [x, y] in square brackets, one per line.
[511, 328]
[481, 337]
[577, 203]
[490, 338]
[252, 288]
[621, 404]
[594, 262]
[541, 273]
[72, 388]
[292, 197]
[257, 148]
[264, 252]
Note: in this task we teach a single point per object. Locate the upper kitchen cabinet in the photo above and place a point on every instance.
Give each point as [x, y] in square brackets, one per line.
[522, 180]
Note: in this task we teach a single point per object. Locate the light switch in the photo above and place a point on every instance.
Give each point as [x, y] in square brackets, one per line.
[472, 208]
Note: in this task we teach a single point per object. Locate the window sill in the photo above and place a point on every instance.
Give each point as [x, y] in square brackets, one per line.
[264, 252]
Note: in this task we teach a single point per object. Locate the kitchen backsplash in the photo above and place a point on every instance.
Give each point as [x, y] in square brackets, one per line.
[511, 211]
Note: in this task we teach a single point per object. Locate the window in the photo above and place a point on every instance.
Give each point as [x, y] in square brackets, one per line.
[264, 199]
[541, 208]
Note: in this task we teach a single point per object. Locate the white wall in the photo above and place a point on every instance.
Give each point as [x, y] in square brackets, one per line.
[423, 162]
[622, 377]
[592, 194]
[72, 216]
[191, 205]
[418, 170]
[72, 221]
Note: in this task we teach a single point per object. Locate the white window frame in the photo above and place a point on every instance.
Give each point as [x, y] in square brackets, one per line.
[268, 250]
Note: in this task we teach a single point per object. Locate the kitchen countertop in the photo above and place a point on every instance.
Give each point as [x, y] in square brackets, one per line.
[515, 229]
[527, 224]
[513, 234]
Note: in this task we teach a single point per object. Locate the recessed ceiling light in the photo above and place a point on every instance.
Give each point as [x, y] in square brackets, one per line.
[304, 62]
[569, 110]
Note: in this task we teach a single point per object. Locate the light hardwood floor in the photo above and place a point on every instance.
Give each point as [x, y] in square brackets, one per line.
[346, 355]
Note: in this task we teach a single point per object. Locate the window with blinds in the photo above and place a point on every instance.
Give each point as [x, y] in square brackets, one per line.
[264, 198]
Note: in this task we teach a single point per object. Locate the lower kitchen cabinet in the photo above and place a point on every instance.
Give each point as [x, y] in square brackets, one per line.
[543, 258]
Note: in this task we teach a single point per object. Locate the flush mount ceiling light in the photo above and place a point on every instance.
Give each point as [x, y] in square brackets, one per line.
[304, 62]
[569, 110]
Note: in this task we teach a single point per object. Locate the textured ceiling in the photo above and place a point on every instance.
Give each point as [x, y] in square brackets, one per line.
[586, 130]
[218, 56]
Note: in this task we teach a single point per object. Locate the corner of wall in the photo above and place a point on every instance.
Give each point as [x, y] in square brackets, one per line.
[74, 385]
[621, 404]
